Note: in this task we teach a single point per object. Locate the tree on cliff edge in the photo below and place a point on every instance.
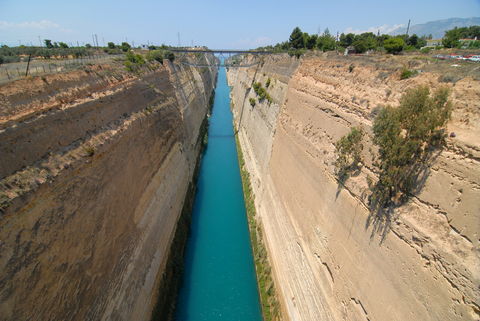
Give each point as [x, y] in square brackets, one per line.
[296, 38]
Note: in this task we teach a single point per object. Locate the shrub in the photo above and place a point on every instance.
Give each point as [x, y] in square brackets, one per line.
[296, 52]
[403, 136]
[262, 92]
[128, 65]
[393, 45]
[406, 73]
[252, 102]
[130, 56]
[351, 67]
[425, 50]
[349, 151]
[139, 59]
[155, 55]
[169, 55]
[90, 151]
[268, 82]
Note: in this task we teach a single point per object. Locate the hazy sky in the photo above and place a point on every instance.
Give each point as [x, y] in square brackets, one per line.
[213, 23]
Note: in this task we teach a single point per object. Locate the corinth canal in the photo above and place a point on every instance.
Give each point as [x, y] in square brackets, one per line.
[219, 280]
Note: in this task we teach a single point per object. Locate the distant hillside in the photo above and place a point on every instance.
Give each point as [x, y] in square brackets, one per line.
[437, 28]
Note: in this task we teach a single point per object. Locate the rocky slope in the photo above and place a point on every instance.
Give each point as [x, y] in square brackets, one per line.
[82, 236]
[331, 259]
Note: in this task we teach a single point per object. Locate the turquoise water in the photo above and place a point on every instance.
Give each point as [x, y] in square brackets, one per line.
[219, 280]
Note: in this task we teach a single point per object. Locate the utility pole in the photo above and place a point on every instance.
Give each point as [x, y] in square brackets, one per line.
[336, 41]
[96, 39]
[378, 39]
[406, 36]
[179, 44]
[93, 43]
[40, 40]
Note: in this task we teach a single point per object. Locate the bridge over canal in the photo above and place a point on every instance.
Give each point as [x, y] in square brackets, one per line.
[198, 57]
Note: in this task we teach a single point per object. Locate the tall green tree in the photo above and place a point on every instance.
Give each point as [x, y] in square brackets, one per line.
[452, 37]
[360, 46]
[403, 135]
[296, 39]
[326, 41]
[346, 40]
[393, 45]
[311, 42]
[48, 43]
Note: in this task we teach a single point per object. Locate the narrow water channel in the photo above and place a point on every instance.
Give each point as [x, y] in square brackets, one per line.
[219, 280]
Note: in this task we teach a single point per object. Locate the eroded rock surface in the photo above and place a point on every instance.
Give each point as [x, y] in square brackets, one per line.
[331, 259]
[86, 237]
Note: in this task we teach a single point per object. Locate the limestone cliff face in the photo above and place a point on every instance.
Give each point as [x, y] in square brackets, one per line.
[331, 259]
[87, 237]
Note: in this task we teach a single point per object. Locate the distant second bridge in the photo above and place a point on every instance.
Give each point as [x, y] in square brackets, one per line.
[220, 58]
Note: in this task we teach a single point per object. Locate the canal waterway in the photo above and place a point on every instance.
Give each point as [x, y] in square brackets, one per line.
[219, 281]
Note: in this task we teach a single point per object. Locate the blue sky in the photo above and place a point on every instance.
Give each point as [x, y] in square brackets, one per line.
[213, 23]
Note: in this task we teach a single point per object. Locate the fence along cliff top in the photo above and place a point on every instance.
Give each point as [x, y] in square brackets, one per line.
[220, 58]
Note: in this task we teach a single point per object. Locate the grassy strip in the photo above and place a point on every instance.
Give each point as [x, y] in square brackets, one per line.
[170, 285]
[266, 287]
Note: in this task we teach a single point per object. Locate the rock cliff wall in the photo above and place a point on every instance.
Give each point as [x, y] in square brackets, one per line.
[82, 236]
[331, 259]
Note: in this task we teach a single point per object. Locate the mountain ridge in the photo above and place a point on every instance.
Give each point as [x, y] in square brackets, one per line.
[437, 28]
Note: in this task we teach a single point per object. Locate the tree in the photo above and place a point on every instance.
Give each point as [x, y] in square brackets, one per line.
[48, 43]
[412, 40]
[473, 32]
[63, 45]
[346, 40]
[111, 45]
[326, 41]
[393, 45]
[360, 46]
[169, 55]
[296, 38]
[349, 151]
[403, 136]
[311, 41]
[125, 46]
[88, 46]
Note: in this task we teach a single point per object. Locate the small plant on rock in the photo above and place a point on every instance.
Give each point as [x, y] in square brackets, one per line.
[349, 152]
[90, 151]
